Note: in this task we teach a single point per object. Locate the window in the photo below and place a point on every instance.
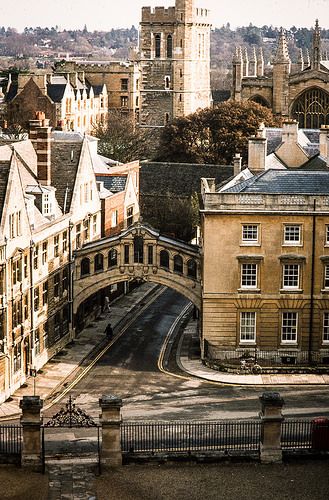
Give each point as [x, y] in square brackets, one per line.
[45, 293]
[65, 280]
[327, 234]
[36, 299]
[112, 258]
[78, 235]
[47, 205]
[247, 326]
[130, 216]
[289, 327]
[114, 221]
[16, 268]
[164, 259]
[65, 322]
[292, 234]
[150, 254]
[44, 252]
[157, 40]
[36, 257]
[248, 275]
[26, 307]
[169, 46]
[250, 233]
[57, 326]
[178, 264]
[326, 276]
[98, 262]
[291, 274]
[167, 82]
[311, 108]
[85, 267]
[94, 225]
[138, 249]
[191, 268]
[56, 246]
[86, 229]
[37, 342]
[124, 83]
[17, 357]
[45, 335]
[17, 313]
[56, 284]
[15, 224]
[326, 327]
[64, 241]
[124, 101]
[25, 265]
[126, 254]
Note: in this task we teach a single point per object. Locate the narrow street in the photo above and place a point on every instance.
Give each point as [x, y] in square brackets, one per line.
[129, 369]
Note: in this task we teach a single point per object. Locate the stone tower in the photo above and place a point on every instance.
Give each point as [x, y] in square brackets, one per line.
[281, 72]
[175, 62]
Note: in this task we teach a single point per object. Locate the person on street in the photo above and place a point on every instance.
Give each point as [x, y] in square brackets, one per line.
[109, 331]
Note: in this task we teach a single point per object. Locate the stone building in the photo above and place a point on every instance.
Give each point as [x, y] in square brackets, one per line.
[265, 243]
[69, 100]
[50, 205]
[299, 91]
[175, 62]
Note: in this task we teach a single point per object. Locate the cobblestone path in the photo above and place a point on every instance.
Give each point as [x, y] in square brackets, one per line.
[71, 482]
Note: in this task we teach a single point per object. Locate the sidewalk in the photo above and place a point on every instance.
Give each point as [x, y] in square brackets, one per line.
[61, 366]
[196, 368]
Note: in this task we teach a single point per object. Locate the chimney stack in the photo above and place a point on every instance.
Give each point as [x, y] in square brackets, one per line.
[237, 164]
[324, 137]
[40, 137]
[257, 149]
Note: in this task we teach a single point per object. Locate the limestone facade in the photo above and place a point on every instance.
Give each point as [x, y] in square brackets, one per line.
[299, 91]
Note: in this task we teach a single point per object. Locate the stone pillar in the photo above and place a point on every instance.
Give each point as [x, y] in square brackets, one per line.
[110, 419]
[271, 417]
[31, 422]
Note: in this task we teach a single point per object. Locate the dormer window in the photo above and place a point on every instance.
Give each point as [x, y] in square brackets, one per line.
[46, 204]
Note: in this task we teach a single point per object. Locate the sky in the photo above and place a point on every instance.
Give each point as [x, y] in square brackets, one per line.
[107, 14]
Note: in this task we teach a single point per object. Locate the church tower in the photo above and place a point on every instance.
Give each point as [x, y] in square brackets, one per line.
[175, 62]
[281, 72]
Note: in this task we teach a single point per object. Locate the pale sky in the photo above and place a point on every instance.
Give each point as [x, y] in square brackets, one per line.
[107, 14]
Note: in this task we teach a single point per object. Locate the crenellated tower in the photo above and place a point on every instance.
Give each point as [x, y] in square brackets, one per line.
[175, 62]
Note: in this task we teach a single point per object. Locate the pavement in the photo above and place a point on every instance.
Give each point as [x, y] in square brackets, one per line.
[70, 361]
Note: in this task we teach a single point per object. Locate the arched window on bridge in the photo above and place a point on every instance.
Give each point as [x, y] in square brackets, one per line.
[191, 268]
[98, 262]
[178, 264]
[85, 267]
[164, 259]
[138, 250]
[112, 258]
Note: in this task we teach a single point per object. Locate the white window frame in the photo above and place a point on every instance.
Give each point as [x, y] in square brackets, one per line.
[292, 317]
[249, 272]
[289, 275]
[248, 322]
[249, 228]
[326, 277]
[289, 230]
[327, 235]
[325, 329]
[114, 218]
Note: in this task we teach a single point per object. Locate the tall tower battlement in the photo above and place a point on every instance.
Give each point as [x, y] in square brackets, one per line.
[175, 62]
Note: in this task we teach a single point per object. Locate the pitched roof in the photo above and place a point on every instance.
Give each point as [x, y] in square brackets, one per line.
[285, 182]
[114, 183]
[56, 91]
[4, 172]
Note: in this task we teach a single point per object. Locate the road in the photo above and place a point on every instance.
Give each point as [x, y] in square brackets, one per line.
[130, 370]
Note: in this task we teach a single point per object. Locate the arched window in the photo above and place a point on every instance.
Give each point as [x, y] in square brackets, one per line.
[191, 268]
[138, 249]
[311, 108]
[169, 46]
[98, 262]
[85, 267]
[164, 259]
[112, 258]
[157, 40]
[178, 264]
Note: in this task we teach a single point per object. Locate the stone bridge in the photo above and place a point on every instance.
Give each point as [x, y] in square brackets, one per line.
[141, 253]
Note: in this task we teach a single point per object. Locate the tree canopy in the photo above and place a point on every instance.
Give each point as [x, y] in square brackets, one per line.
[213, 135]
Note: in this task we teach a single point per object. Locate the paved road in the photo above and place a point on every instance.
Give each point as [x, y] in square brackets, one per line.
[130, 370]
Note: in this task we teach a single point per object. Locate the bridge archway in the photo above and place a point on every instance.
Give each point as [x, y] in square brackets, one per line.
[138, 253]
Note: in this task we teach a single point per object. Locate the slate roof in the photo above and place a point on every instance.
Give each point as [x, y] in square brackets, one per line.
[308, 139]
[114, 183]
[285, 182]
[65, 158]
[98, 89]
[4, 172]
[12, 92]
[56, 92]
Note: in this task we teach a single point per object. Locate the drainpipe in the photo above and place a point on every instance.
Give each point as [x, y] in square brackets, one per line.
[70, 227]
[310, 339]
[31, 292]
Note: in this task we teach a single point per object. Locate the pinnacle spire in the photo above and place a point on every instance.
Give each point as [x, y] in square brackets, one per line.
[316, 46]
[282, 53]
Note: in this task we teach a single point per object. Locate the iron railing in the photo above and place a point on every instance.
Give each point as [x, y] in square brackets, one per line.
[305, 434]
[10, 439]
[208, 436]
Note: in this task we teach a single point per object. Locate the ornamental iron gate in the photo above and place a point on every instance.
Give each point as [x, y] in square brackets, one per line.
[71, 420]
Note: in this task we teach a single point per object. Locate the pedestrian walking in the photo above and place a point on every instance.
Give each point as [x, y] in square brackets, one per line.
[107, 308]
[109, 331]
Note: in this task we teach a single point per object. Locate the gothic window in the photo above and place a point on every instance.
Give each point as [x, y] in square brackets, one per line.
[138, 249]
[169, 46]
[85, 267]
[191, 268]
[164, 259]
[311, 108]
[112, 258]
[98, 262]
[178, 264]
[157, 39]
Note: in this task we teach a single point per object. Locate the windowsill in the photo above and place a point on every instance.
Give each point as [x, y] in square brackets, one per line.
[324, 290]
[291, 290]
[291, 345]
[289, 245]
[247, 343]
[249, 290]
[250, 244]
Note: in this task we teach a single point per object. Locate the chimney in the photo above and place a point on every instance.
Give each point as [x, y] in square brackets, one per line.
[40, 137]
[237, 164]
[324, 133]
[257, 148]
[290, 132]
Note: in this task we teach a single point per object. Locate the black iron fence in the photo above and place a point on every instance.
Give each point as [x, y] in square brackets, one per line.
[10, 439]
[303, 434]
[176, 437]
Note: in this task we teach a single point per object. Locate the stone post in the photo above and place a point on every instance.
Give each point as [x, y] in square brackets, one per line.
[110, 419]
[271, 418]
[31, 423]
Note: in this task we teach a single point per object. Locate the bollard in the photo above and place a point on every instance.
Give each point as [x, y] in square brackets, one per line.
[271, 417]
[110, 418]
[31, 422]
